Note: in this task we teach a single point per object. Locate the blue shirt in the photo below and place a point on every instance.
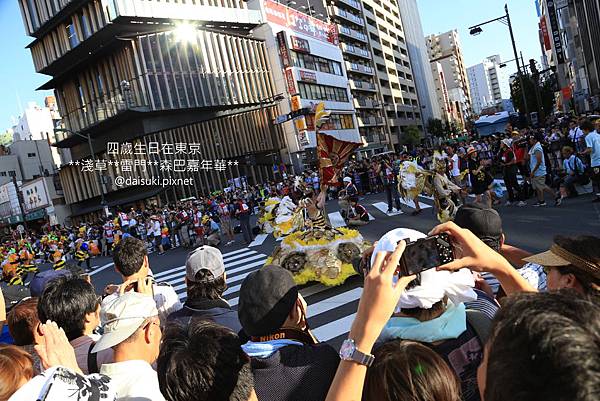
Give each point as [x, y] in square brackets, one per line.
[573, 165]
[533, 160]
[592, 140]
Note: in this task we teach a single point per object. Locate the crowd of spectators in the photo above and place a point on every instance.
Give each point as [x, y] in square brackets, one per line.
[497, 323]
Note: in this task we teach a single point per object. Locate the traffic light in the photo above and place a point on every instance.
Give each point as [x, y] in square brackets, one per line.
[533, 67]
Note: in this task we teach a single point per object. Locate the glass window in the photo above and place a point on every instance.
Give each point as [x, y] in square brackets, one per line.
[337, 68]
[85, 25]
[72, 35]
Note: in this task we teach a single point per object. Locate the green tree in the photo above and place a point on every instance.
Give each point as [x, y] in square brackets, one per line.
[435, 127]
[546, 95]
[411, 136]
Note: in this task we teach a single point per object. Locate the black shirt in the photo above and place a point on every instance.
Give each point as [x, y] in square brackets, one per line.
[295, 373]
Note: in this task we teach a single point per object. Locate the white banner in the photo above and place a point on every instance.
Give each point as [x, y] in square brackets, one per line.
[4, 193]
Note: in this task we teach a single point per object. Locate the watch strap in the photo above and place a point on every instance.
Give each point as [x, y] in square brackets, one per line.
[362, 358]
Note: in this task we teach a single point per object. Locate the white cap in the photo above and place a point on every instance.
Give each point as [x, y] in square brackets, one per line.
[347, 179]
[122, 316]
[434, 285]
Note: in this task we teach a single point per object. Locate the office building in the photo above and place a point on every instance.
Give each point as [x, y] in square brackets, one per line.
[445, 49]
[308, 68]
[417, 51]
[348, 17]
[163, 90]
[488, 84]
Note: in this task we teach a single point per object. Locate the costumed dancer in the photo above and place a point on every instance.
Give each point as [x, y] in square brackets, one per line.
[12, 273]
[442, 194]
[82, 253]
[26, 259]
[58, 262]
[412, 181]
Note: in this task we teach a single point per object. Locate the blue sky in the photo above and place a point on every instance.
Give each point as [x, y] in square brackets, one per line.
[438, 16]
[18, 78]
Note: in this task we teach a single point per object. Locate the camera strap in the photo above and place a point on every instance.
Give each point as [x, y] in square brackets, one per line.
[286, 334]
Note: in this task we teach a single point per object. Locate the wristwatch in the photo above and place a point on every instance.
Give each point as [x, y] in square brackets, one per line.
[348, 352]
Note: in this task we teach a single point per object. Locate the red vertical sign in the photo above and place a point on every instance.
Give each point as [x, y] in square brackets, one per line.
[546, 36]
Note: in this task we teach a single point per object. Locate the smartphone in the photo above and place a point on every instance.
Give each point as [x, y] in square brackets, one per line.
[425, 254]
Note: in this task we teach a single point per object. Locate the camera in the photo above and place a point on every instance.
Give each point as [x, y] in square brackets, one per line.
[425, 254]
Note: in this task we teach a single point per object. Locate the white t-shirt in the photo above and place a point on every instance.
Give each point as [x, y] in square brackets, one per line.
[167, 300]
[455, 165]
[156, 228]
[133, 380]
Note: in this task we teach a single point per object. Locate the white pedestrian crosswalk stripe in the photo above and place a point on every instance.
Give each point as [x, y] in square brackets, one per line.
[333, 313]
[383, 207]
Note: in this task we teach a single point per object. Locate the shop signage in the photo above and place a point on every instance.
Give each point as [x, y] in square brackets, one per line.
[308, 76]
[290, 81]
[284, 53]
[545, 35]
[300, 23]
[555, 30]
[300, 45]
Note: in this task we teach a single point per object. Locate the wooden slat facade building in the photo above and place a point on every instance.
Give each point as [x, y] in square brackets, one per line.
[122, 74]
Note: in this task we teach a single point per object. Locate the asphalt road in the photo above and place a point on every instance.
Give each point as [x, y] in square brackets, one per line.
[331, 310]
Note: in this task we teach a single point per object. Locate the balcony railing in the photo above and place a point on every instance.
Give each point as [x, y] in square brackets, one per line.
[362, 85]
[348, 16]
[128, 96]
[364, 69]
[356, 50]
[351, 3]
[365, 121]
[344, 30]
[366, 103]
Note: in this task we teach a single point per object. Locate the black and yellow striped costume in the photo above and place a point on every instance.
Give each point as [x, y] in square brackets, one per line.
[16, 280]
[59, 265]
[29, 267]
[81, 256]
[319, 221]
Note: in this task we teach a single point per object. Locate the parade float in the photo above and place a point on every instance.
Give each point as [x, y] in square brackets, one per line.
[312, 250]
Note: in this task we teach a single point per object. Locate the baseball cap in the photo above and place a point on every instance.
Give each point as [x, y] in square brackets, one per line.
[122, 316]
[204, 258]
[40, 280]
[266, 299]
[484, 222]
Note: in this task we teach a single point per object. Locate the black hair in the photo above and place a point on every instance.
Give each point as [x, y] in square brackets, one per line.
[129, 256]
[205, 287]
[203, 362]
[586, 125]
[545, 346]
[586, 247]
[66, 300]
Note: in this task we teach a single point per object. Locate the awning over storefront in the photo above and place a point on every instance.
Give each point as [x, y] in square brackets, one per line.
[118, 198]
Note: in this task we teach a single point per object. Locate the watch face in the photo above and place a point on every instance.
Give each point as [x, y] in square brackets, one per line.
[347, 349]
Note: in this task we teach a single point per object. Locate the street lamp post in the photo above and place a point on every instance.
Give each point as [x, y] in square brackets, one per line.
[91, 147]
[476, 30]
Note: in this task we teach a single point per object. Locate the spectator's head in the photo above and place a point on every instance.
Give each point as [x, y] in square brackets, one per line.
[432, 291]
[567, 151]
[407, 370]
[449, 150]
[131, 327]
[347, 180]
[586, 126]
[16, 369]
[482, 221]
[543, 346]
[205, 273]
[41, 279]
[353, 200]
[203, 361]
[506, 143]
[471, 152]
[131, 258]
[572, 262]
[269, 300]
[71, 302]
[23, 322]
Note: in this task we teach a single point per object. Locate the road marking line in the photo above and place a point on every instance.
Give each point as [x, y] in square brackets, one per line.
[101, 268]
[333, 302]
[383, 207]
[336, 220]
[334, 329]
[260, 238]
[239, 255]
